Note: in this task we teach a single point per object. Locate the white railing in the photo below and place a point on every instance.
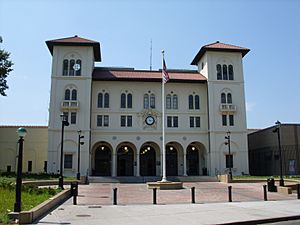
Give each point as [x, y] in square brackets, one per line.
[227, 108]
[68, 104]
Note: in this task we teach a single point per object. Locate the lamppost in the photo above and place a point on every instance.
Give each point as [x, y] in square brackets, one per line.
[79, 143]
[64, 122]
[21, 132]
[230, 159]
[277, 130]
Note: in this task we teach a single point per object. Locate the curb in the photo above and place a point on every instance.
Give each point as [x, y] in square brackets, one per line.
[262, 221]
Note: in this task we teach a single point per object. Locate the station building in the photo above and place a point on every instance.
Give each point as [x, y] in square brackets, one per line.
[119, 113]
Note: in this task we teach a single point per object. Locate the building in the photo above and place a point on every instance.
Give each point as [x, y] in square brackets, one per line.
[119, 113]
[264, 157]
[34, 151]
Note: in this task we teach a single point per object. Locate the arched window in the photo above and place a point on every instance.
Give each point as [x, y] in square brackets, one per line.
[78, 72]
[74, 94]
[229, 98]
[129, 101]
[123, 100]
[67, 94]
[100, 100]
[65, 67]
[219, 72]
[175, 102]
[223, 98]
[168, 101]
[71, 70]
[152, 101]
[191, 102]
[106, 100]
[197, 102]
[225, 77]
[146, 101]
[230, 72]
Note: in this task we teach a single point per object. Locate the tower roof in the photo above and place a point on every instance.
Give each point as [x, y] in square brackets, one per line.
[219, 47]
[76, 41]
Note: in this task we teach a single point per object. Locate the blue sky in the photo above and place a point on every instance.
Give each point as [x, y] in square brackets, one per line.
[271, 29]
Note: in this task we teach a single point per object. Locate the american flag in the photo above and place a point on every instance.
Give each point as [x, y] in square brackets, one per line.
[165, 72]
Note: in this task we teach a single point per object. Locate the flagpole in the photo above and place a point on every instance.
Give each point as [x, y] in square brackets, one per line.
[164, 176]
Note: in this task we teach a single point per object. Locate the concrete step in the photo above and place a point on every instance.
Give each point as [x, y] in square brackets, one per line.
[141, 179]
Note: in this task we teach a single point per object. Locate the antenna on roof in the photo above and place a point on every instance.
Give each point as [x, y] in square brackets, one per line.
[151, 54]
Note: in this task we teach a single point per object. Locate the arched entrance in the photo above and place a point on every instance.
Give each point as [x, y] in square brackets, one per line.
[196, 159]
[148, 159]
[125, 161]
[171, 160]
[102, 160]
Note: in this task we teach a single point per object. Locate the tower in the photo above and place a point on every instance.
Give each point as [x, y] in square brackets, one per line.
[73, 61]
[222, 65]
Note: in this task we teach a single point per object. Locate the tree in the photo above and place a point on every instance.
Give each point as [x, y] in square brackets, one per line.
[5, 69]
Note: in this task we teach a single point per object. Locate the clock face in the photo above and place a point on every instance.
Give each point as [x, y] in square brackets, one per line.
[150, 120]
[76, 67]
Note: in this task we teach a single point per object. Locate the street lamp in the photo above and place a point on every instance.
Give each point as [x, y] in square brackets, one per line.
[277, 130]
[79, 143]
[230, 159]
[21, 132]
[64, 122]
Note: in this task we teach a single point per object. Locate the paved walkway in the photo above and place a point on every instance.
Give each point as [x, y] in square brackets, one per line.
[174, 207]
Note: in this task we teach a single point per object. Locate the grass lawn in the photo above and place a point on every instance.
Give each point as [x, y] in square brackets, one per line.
[296, 177]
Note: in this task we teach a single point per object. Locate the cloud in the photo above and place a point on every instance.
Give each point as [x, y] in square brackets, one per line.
[250, 106]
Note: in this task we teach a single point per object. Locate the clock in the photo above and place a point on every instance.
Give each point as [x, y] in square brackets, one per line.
[150, 120]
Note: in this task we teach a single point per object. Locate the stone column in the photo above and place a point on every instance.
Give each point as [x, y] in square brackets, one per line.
[184, 164]
[137, 164]
[114, 165]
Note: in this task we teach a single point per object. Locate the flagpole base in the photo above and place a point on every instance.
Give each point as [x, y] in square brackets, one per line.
[164, 179]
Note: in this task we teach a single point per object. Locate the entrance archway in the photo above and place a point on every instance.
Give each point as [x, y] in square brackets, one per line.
[125, 161]
[102, 160]
[171, 160]
[148, 155]
[196, 159]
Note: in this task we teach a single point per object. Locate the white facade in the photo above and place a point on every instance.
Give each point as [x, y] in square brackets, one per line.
[111, 107]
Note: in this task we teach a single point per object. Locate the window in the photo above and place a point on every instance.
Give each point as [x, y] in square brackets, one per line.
[172, 121]
[229, 161]
[129, 101]
[152, 101]
[175, 102]
[194, 102]
[197, 102]
[123, 100]
[71, 70]
[8, 168]
[219, 72]
[225, 77]
[102, 120]
[67, 94]
[191, 102]
[68, 161]
[73, 117]
[223, 98]
[45, 166]
[224, 120]
[168, 101]
[78, 72]
[126, 121]
[229, 98]
[103, 100]
[106, 100]
[172, 101]
[74, 94]
[231, 120]
[146, 101]
[230, 72]
[100, 100]
[29, 166]
[195, 121]
[66, 115]
[65, 67]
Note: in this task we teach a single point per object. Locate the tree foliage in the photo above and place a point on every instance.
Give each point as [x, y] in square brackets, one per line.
[5, 68]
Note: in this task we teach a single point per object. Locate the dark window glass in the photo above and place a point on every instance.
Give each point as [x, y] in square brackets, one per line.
[73, 117]
[146, 101]
[106, 100]
[106, 121]
[123, 121]
[231, 120]
[219, 72]
[191, 102]
[223, 98]
[168, 101]
[175, 121]
[229, 161]
[129, 121]
[100, 100]
[29, 166]
[152, 101]
[71, 70]
[65, 67]
[191, 121]
[229, 98]
[230, 72]
[175, 102]
[225, 77]
[68, 161]
[74, 95]
[197, 121]
[197, 102]
[169, 121]
[129, 101]
[123, 100]
[45, 166]
[8, 169]
[78, 72]
[224, 120]
[67, 94]
[66, 116]
[99, 120]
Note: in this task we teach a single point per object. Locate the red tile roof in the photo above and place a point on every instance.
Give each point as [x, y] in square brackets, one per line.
[76, 41]
[221, 47]
[112, 74]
